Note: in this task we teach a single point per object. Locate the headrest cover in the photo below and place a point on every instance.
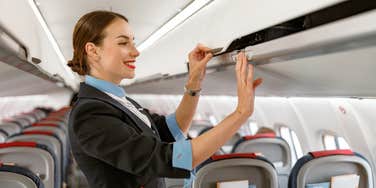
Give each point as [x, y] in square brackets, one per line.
[318, 154]
[234, 155]
[263, 135]
[38, 132]
[18, 144]
[45, 124]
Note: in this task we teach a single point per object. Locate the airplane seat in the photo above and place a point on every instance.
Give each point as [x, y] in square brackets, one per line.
[3, 136]
[273, 148]
[197, 126]
[62, 137]
[27, 117]
[60, 125]
[225, 149]
[46, 138]
[17, 177]
[10, 128]
[320, 166]
[19, 121]
[40, 114]
[37, 158]
[257, 170]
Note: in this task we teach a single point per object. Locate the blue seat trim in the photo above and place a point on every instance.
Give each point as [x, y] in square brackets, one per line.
[23, 171]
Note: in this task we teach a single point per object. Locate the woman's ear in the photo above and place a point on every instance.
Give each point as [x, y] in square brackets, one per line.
[92, 51]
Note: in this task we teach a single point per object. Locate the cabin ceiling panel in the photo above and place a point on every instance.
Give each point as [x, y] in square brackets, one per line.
[144, 16]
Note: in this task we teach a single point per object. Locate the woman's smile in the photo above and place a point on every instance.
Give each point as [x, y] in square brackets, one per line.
[130, 64]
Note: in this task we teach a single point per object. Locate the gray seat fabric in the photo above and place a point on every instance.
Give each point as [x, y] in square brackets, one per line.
[62, 137]
[51, 142]
[10, 128]
[3, 136]
[16, 176]
[258, 172]
[276, 150]
[37, 160]
[60, 124]
[14, 180]
[174, 182]
[323, 168]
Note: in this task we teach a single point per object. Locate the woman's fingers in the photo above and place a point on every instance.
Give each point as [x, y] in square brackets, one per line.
[207, 58]
[250, 74]
[237, 69]
[201, 47]
[243, 67]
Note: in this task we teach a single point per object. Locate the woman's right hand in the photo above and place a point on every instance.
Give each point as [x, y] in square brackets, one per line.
[246, 85]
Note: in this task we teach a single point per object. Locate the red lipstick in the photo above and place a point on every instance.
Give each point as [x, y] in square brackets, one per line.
[130, 66]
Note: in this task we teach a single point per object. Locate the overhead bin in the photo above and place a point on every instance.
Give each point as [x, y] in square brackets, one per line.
[331, 59]
[15, 54]
[301, 37]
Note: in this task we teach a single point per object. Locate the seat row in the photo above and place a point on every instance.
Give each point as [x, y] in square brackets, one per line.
[313, 170]
[35, 151]
[264, 160]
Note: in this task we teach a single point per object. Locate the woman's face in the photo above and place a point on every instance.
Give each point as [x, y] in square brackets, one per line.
[117, 53]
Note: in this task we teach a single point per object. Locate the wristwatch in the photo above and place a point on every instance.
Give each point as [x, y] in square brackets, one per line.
[191, 92]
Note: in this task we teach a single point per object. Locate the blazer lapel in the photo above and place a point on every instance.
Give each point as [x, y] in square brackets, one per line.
[155, 130]
[87, 91]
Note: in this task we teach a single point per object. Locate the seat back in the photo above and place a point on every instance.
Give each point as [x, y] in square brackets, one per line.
[11, 128]
[62, 137]
[35, 157]
[18, 177]
[59, 124]
[274, 148]
[320, 166]
[3, 136]
[228, 146]
[242, 166]
[45, 138]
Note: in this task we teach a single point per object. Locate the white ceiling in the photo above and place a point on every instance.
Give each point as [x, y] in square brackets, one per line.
[145, 16]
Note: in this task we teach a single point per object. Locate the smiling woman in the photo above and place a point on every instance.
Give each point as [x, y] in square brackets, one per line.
[116, 142]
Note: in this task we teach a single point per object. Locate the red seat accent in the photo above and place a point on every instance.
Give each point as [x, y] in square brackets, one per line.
[317, 154]
[263, 135]
[18, 144]
[52, 118]
[234, 155]
[38, 132]
[44, 124]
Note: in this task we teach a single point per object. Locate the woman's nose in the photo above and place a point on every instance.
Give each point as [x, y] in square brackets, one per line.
[135, 52]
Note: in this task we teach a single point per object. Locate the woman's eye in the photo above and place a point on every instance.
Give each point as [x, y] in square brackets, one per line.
[123, 43]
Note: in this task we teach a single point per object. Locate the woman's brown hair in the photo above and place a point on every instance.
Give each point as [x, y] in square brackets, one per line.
[89, 28]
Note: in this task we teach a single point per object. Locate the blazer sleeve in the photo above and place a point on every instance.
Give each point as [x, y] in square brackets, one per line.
[103, 134]
[162, 127]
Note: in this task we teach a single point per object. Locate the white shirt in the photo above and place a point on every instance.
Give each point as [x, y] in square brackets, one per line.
[131, 107]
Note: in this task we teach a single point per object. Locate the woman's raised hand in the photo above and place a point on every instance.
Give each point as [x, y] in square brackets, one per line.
[246, 85]
[198, 58]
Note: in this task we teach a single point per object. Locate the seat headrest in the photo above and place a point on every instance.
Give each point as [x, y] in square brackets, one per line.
[38, 132]
[262, 135]
[318, 154]
[234, 155]
[45, 124]
[18, 144]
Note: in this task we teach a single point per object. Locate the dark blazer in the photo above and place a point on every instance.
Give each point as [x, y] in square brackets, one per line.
[114, 148]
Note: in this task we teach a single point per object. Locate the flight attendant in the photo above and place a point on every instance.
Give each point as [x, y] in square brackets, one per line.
[115, 141]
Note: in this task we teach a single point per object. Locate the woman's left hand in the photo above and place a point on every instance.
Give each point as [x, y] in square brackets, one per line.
[198, 58]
